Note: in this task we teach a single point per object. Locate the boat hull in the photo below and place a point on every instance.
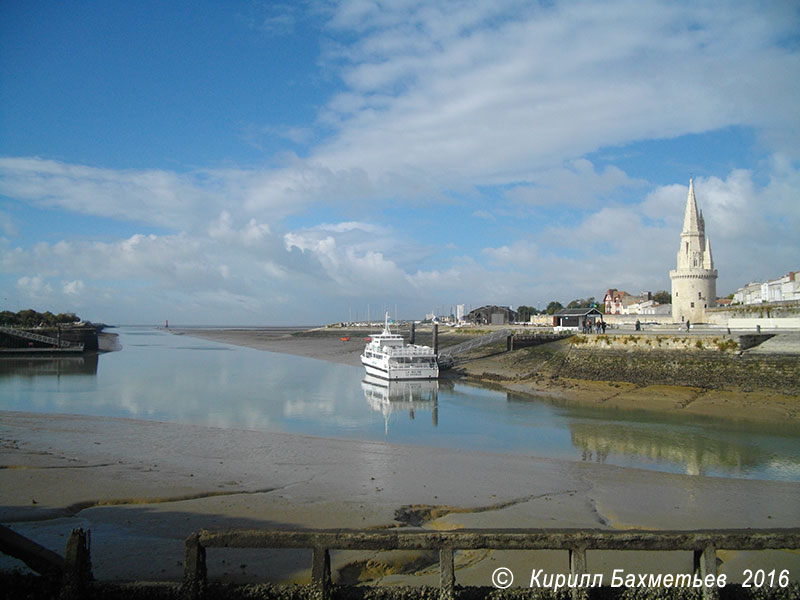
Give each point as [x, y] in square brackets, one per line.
[378, 369]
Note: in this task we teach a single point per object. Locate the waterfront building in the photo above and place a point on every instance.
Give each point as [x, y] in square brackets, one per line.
[619, 302]
[694, 281]
[782, 289]
[574, 319]
[616, 301]
[648, 307]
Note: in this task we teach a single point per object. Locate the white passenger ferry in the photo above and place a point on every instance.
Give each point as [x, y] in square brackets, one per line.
[387, 356]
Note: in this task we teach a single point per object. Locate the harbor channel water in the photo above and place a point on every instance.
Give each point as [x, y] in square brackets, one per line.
[164, 377]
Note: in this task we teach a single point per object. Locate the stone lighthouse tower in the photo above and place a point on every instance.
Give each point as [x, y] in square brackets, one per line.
[694, 282]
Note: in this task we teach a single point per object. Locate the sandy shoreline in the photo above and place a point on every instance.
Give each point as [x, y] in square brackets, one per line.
[319, 344]
[143, 486]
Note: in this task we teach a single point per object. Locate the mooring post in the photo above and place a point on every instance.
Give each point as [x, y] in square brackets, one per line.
[194, 568]
[77, 565]
[577, 567]
[321, 573]
[705, 563]
[510, 343]
[436, 338]
[447, 573]
[413, 338]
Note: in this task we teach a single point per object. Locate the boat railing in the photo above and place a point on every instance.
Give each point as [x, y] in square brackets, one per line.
[412, 351]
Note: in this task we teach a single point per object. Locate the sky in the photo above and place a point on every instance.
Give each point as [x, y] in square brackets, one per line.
[255, 163]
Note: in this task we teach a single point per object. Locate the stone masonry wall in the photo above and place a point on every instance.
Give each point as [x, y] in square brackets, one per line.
[715, 369]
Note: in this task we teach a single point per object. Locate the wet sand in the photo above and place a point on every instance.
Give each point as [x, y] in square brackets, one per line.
[322, 344]
[142, 487]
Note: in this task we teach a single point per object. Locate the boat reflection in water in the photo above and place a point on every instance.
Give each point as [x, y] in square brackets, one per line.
[386, 397]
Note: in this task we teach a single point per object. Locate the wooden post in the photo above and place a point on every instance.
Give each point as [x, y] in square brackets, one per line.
[436, 338]
[77, 565]
[194, 568]
[321, 573]
[413, 338]
[705, 563]
[577, 567]
[447, 573]
[510, 343]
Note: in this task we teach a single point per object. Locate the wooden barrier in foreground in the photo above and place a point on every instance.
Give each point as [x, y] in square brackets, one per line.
[73, 570]
[703, 543]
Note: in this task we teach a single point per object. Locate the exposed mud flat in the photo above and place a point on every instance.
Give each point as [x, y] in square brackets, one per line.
[143, 487]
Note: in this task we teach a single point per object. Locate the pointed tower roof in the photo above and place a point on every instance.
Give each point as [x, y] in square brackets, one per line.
[691, 218]
[708, 259]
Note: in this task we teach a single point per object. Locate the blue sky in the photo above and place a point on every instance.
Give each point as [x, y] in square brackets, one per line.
[268, 163]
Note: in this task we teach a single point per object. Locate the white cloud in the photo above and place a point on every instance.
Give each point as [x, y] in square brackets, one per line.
[483, 95]
[157, 197]
[73, 288]
[484, 214]
[34, 287]
[575, 184]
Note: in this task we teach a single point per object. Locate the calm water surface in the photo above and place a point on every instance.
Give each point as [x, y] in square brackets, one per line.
[167, 377]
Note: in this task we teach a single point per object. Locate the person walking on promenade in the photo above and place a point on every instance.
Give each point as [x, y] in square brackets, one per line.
[687, 325]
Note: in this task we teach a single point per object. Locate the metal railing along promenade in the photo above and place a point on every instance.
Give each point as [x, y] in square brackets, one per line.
[702, 543]
[449, 353]
[57, 343]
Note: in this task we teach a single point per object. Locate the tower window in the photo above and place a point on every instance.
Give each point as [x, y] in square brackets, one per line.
[692, 304]
[699, 295]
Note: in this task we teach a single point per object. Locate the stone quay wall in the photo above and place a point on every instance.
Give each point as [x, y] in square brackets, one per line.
[713, 365]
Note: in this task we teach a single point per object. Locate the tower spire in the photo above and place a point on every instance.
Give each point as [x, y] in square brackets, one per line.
[708, 259]
[691, 218]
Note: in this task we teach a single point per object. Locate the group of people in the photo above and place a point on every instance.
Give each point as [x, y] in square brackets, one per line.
[596, 326]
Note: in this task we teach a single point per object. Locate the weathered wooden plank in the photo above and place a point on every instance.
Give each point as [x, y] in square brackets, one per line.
[37, 557]
[508, 539]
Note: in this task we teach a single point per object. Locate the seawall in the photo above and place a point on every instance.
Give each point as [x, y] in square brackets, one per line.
[86, 335]
[710, 362]
[711, 369]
